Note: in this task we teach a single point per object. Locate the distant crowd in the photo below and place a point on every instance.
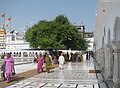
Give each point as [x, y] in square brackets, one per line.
[48, 59]
[44, 62]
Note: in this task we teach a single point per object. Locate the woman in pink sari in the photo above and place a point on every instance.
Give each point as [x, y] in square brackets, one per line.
[8, 67]
[40, 63]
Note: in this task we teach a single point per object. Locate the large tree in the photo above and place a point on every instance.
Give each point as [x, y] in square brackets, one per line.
[56, 34]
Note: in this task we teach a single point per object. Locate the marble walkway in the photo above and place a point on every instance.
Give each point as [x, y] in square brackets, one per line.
[74, 75]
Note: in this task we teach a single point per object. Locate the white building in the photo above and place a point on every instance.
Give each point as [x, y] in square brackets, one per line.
[87, 35]
[81, 29]
[16, 41]
[107, 40]
[2, 38]
[90, 38]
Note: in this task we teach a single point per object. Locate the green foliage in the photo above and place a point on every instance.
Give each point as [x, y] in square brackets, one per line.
[56, 34]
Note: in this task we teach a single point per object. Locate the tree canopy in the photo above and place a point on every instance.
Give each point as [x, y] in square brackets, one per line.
[56, 34]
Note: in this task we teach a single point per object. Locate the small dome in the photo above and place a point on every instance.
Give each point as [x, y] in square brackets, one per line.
[3, 31]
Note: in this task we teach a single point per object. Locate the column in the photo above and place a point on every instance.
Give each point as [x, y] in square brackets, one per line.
[116, 70]
[106, 63]
[102, 59]
[111, 61]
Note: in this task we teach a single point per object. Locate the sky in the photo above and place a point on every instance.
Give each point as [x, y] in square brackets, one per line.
[25, 13]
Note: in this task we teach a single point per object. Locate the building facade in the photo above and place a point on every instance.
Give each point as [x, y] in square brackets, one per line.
[2, 38]
[81, 29]
[15, 41]
[107, 40]
[90, 38]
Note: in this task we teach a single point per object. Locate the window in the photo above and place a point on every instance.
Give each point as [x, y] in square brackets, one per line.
[25, 54]
[13, 37]
[103, 10]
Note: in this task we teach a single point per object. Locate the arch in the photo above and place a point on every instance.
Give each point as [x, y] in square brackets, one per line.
[25, 54]
[30, 54]
[14, 54]
[117, 29]
[19, 54]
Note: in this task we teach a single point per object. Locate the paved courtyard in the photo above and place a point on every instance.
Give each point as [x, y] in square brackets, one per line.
[74, 75]
[25, 67]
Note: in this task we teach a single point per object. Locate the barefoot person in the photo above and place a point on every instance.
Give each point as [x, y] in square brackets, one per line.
[13, 67]
[48, 63]
[39, 63]
[2, 66]
[61, 61]
[8, 67]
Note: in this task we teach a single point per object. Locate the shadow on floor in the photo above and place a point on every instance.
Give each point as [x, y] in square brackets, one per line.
[14, 79]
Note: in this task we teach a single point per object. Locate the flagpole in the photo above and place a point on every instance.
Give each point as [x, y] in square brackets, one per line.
[10, 24]
[4, 21]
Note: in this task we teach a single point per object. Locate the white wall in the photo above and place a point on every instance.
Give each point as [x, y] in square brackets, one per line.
[16, 44]
[91, 40]
[106, 13]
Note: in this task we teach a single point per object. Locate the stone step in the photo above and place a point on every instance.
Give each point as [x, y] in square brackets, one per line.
[99, 76]
[103, 85]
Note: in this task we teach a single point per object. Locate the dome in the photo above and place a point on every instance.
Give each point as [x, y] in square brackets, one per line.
[3, 31]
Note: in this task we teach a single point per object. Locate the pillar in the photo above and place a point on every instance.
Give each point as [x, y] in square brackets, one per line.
[116, 70]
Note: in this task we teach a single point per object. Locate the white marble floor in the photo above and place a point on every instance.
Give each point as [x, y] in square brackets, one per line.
[74, 75]
[25, 67]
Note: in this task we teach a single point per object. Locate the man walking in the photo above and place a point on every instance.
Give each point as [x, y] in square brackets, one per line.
[61, 61]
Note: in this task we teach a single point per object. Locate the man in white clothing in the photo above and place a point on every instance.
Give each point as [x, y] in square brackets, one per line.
[61, 61]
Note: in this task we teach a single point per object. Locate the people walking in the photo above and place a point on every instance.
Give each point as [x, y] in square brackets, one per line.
[13, 67]
[2, 66]
[35, 57]
[55, 59]
[40, 64]
[84, 56]
[81, 58]
[8, 67]
[51, 58]
[48, 63]
[61, 61]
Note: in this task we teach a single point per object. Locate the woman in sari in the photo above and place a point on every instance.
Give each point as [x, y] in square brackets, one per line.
[39, 63]
[81, 58]
[48, 63]
[8, 67]
[2, 61]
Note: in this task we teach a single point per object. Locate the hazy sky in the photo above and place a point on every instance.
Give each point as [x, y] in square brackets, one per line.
[28, 12]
